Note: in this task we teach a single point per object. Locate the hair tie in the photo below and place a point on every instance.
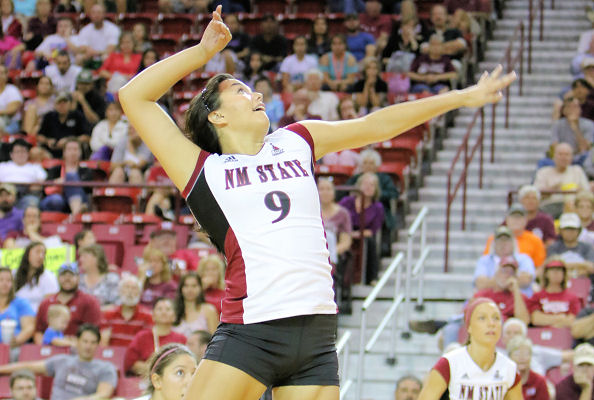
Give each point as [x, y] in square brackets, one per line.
[161, 357]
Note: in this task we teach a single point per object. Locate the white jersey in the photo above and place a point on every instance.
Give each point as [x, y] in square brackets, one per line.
[263, 212]
[467, 381]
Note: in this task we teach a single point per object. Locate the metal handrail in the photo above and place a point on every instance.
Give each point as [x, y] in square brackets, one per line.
[393, 268]
[342, 346]
[420, 221]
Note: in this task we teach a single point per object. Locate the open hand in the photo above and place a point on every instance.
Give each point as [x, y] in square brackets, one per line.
[216, 35]
[488, 89]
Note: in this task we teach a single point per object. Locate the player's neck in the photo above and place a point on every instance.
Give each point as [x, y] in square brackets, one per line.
[240, 143]
[483, 356]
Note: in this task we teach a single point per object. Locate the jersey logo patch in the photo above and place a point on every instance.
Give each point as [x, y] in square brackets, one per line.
[497, 375]
[276, 150]
[465, 376]
[230, 159]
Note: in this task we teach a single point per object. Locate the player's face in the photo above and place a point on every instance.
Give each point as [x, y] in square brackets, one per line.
[241, 109]
[485, 324]
[522, 357]
[23, 389]
[176, 378]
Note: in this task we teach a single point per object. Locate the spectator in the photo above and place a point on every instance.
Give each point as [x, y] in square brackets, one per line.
[84, 308]
[148, 340]
[37, 107]
[130, 158]
[96, 279]
[254, 69]
[140, 35]
[121, 65]
[11, 100]
[179, 259]
[338, 228]
[68, 6]
[20, 170]
[346, 110]
[528, 243]
[295, 66]
[98, 38]
[11, 218]
[197, 342]
[39, 26]
[572, 129]
[74, 199]
[270, 44]
[31, 232]
[119, 325]
[366, 199]
[32, 281]
[275, 109]
[584, 206]
[155, 276]
[58, 316]
[62, 123]
[62, 73]
[504, 248]
[22, 385]
[75, 375]
[338, 66]
[64, 40]
[211, 270]
[578, 256]
[408, 388]
[224, 61]
[87, 100]
[582, 328]
[299, 109]
[403, 45]
[453, 43]
[192, 312]
[11, 49]
[319, 39]
[108, 133]
[171, 370]
[554, 305]
[561, 176]
[578, 385]
[16, 309]
[11, 25]
[534, 386]
[240, 42]
[539, 223]
[149, 57]
[359, 44]
[433, 71]
[379, 25]
[322, 103]
[370, 91]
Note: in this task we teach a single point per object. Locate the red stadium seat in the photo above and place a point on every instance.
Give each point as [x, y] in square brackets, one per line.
[113, 354]
[335, 24]
[197, 81]
[5, 387]
[338, 173]
[129, 388]
[115, 239]
[189, 40]
[65, 231]
[53, 216]
[175, 24]
[51, 163]
[581, 288]
[140, 219]
[4, 354]
[97, 217]
[297, 25]
[120, 200]
[33, 352]
[131, 253]
[310, 6]
[559, 338]
[101, 169]
[127, 20]
[557, 374]
[44, 386]
[164, 44]
[251, 23]
[28, 80]
[399, 171]
[270, 6]
[182, 232]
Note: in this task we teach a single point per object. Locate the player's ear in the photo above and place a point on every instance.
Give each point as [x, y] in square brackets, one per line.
[217, 118]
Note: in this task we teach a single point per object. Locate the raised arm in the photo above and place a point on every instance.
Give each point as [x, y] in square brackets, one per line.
[175, 152]
[391, 121]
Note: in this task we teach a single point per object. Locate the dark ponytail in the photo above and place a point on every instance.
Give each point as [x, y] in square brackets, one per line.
[198, 128]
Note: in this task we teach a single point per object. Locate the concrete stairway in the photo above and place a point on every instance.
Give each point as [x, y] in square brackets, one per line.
[517, 150]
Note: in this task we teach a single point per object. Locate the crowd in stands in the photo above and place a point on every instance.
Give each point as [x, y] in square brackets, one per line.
[61, 65]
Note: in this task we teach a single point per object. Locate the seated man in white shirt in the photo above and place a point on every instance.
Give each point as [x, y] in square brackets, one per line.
[99, 38]
[20, 170]
[324, 104]
[63, 73]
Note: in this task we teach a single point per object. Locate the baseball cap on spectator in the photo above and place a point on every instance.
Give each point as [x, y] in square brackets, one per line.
[67, 267]
[63, 96]
[569, 221]
[583, 354]
[8, 187]
[85, 76]
[508, 261]
[587, 62]
[503, 231]
[516, 208]
[555, 263]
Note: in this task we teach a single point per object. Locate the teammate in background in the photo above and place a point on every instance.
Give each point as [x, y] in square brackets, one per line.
[476, 370]
[258, 202]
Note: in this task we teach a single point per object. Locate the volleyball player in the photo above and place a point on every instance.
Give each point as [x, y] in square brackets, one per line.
[256, 197]
[476, 370]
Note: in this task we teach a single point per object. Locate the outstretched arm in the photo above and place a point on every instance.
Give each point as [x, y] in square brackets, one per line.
[175, 152]
[391, 121]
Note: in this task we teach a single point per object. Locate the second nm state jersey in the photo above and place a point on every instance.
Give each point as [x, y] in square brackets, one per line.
[263, 210]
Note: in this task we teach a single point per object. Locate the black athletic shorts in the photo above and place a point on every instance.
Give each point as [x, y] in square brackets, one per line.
[284, 352]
